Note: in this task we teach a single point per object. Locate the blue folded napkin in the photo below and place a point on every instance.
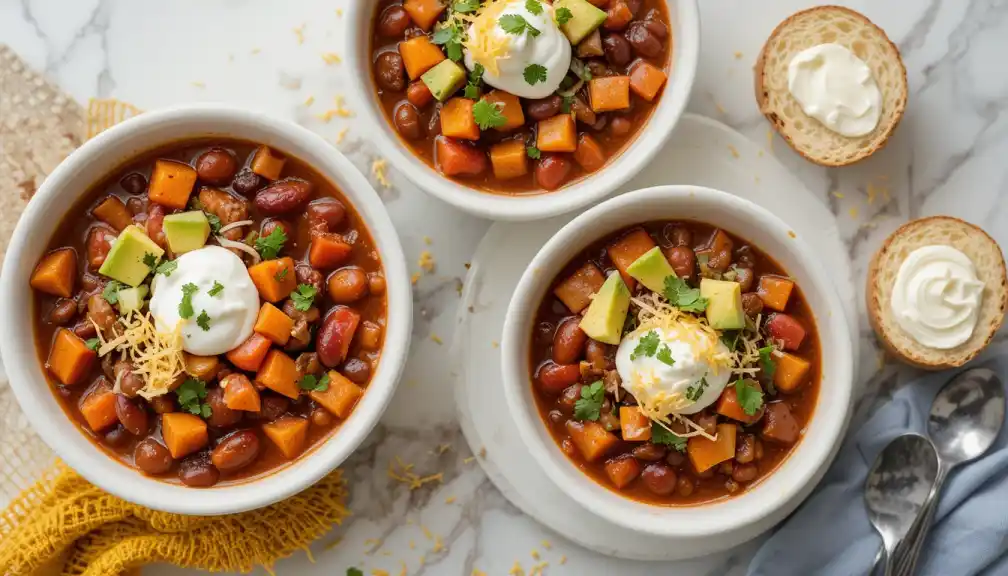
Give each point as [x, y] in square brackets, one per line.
[830, 535]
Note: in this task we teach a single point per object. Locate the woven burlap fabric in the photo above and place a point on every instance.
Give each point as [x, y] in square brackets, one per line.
[55, 522]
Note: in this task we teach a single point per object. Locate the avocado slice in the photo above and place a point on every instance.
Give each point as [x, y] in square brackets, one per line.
[724, 304]
[444, 79]
[132, 299]
[125, 260]
[604, 319]
[651, 270]
[585, 19]
[186, 231]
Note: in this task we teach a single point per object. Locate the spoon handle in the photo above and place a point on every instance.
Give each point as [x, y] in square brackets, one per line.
[911, 549]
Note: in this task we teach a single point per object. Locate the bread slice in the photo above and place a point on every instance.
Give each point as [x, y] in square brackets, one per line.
[822, 25]
[990, 267]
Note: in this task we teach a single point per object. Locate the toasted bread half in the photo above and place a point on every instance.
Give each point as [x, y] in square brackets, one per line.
[822, 25]
[990, 268]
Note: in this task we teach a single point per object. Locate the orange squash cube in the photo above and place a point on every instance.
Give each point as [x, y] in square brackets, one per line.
[280, 374]
[240, 394]
[628, 249]
[457, 119]
[183, 433]
[609, 93]
[622, 470]
[273, 324]
[274, 279]
[424, 12]
[171, 183]
[509, 159]
[267, 163]
[775, 291]
[249, 355]
[646, 80]
[419, 55]
[56, 272]
[635, 426]
[97, 406]
[591, 439]
[557, 134]
[510, 107]
[589, 154]
[340, 397]
[577, 290]
[705, 453]
[113, 212]
[70, 359]
[288, 433]
[791, 371]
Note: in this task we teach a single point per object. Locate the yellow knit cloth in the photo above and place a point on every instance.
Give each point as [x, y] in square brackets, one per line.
[65, 525]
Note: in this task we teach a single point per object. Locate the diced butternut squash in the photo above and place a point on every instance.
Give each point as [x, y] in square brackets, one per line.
[577, 290]
[636, 427]
[56, 272]
[457, 119]
[328, 251]
[779, 425]
[69, 358]
[267, 163]
[510, 108]
[97, 406]
[626, 250]
[289, 434]
[591, 439]
[249, 355]
[609, 93]
[454, 158]
[419, 55]
[589, 154]
[705, 453]
[791, 371]
[424, 13]
[183, 433]
[200, 367]
[646, 80]
[340, 397]
[774, 291]
[729, 406]
[622, 470]
[557, 134]
[240, 394]
[509, 159]
[274, 279]
[618, 15]
[279, 373]
[113, 212]
[171, 183]
[274, 324]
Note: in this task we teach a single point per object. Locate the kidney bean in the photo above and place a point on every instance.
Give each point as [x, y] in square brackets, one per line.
[619, 126]
[328, 211]
[759, 450]
[162, 404]
[683, 261]
[332, 342]
[552, 171]
[743, 473]
[271, 224]
[216, 166]
[321, 417]
[418, 94]
[356, 370]
[678, 235]
[645, 42]
[84, 330]
[675, 458]
[553, 378]
[745, 449]
[99, 242]
[100, 312]
[752, 304]
[393, 22]
[347, 285]
[228, 208]
[413, 32]
[137, 207]
[63, 311]
[131, 416]
[407, 121]
[390, 73]
[744, 276]
[283, 196]
[583, 112]
[151, 457]
[617, 49]
[273, 406]
[376, 283]
[117, 437]
[129, 383]
[720, 260]
[602, 356]
[684, 487]
[220, 415]
[247, 182]
[544, 107]
[305, 274]
[649, 452]
[198, 472]
[235, 451]
[133, 183]
[659, 478]
[708, 422]
[155, 224]
[744, 257]
[568, 398]
[569, 341]
[599, 69]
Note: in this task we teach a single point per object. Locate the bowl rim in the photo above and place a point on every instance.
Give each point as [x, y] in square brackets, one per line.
[26, 372]
[533, 206]
[709, 519]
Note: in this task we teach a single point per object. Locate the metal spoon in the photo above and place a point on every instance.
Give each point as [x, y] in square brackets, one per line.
[897, 487]
[965, 419]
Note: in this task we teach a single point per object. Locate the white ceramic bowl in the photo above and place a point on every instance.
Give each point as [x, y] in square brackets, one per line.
[684, 18]
[775, 496]
[95, 160]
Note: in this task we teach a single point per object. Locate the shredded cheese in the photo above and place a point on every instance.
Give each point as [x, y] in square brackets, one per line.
[403, 472]
[341, 135]
[331, 58]
[481, 40]
[378, 169]
[438, 545]
[309, 100]
[426, 261]
[156, 356]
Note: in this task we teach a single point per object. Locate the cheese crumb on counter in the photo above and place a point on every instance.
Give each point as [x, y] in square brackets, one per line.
[426, 261]
[309, 100]
[299, 33]
[331, 58]
[414, 278]
[436, 339]
[378, 169]
[341, 135]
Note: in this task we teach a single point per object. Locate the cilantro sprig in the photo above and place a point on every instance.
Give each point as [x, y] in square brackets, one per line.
[646, 346]
[303, 297]
[563, 16]
[517, 24]
[281, 274]
[190, 395]
[488, 115]
[214, 221]
[269, 246]
[534, 74]
[664, 355]
[662, 435]
[750, 397]
[92, 343]
[466, 6]
[313, 384]
[472, 90]
[216, 289]
[166, 268]
[534, 7]
[696, 390]
[680, 295]
[185, 307]
[589, 405]
[111, 291]
[533, 152]
[203, 320]
[767, 362]
[451, 37]
[150, 260]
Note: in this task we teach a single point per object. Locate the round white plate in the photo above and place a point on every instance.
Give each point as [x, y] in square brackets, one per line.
[699, 152]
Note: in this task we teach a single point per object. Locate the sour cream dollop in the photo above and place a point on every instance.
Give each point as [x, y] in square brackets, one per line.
[836, 88]
[936, 297]
[549, 49]
[232, 311]
[654, 382]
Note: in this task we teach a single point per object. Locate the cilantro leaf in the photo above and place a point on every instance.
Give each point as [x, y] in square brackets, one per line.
[589, 406]
[303, 297]
[111, 291]
[92, 343]
[662, 435]
[150, 260]
[471, 91]
[695, 391]
[665, 355]
[453, 50]
[353, 572]
[281, 274]
[311, 383]
[488, 115]
[269, 246]
[566, 104]
[680, 295]
[185, 308]
[646, 346]
[217, 288]
[203, 320]
[767, 361]
[190, 395]
[533, 152]
[563, 16]
[534, 7]
[466, 6]
[476, 74]
[730, 338]
[534, 74]
[451, 37]
[749, 397]
[215, 223]
[166, 268]
[517, 24]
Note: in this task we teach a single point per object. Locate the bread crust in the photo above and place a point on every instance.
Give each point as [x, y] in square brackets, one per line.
[873, 298]
[762, 96]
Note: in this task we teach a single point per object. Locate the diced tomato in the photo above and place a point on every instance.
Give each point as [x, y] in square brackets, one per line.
[786, 330]
[454, 158]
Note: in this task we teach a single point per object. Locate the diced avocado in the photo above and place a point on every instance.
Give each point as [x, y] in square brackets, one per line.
[186, 231]
[651, 270]
[584, 20]
[603, 321]
[132, 299]
[444, 79]
[724, 304]
[125, 260]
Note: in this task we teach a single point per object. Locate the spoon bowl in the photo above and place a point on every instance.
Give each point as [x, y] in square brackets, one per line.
[966, 416]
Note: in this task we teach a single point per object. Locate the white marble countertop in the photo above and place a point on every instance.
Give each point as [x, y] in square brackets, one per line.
[946, 158]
